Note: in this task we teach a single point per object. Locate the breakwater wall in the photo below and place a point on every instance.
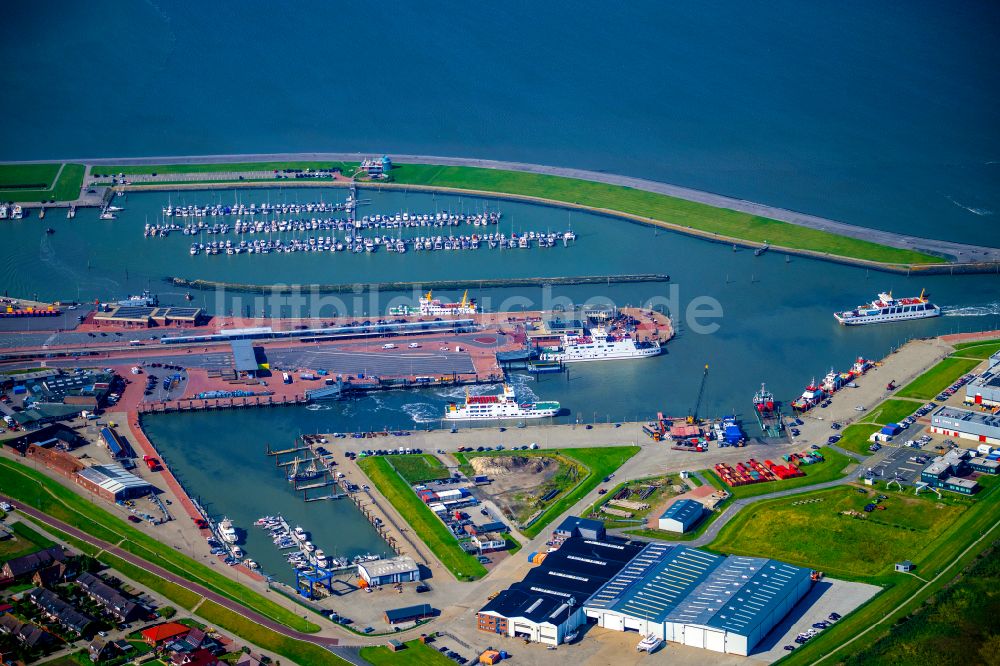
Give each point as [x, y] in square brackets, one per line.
[348, 288]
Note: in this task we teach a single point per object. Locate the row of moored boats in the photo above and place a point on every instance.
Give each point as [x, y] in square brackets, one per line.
[216, 210]
[400, 221]
[357, 244]
[306, 557]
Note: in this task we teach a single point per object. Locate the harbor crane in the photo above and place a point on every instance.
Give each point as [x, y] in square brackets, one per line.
[697, 403]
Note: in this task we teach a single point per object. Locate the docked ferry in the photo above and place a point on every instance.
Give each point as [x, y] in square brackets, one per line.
[433, 307]
[886, 308]
[600, 346]
[495, 407]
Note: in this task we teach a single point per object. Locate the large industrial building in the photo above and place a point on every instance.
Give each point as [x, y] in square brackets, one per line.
[680, 594]
[547, 605]
[688, 596]
[980, 427]
[387, 572]
[984, 390]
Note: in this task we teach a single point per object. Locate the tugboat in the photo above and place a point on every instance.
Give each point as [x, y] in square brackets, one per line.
[812, 396]
[768, 412]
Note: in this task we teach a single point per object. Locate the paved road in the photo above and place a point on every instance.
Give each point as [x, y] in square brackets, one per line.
[45, 519]
[960, 251]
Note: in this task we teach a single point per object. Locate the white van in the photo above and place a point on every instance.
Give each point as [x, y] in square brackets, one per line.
[414, 345]
[388, 346]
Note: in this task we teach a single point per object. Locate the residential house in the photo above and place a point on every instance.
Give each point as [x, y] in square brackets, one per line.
[111, 600]
[59, 611]
[29, 564]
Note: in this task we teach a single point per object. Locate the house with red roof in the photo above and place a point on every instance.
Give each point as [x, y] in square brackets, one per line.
[162, 633]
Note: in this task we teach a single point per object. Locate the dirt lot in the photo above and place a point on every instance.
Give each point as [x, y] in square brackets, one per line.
[517, 481]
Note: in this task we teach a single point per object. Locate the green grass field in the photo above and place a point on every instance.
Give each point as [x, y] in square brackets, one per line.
[946, 555]
[300, 652]
[652, 206]
[892, 411]
[787, 529]
[938, 378]
[422, 520]
[599, 461]
[832, 468]
[24, 542]
[37, 490]
[855, 437]
[957, 626]
[219, 167]
[33, 182]
[981, 349]
[418, 468]
[415, 654]
[28, 176]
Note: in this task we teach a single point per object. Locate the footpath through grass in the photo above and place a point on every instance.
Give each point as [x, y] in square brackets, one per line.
[829, 470]
[298, 651]
[37, 490]
[942, 555]
[218, 167]
[421, 519]
[813, 530]
[941, 376]
[33, 182]
[653, 206]
[981, 349]
[892, 411]
[958, 626]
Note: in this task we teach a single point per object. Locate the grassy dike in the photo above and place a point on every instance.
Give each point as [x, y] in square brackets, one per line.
[36, 490]
[650, 207]
[425, 524]
[34, 182]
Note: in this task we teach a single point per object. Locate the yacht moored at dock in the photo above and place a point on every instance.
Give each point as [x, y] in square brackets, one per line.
[885, 308]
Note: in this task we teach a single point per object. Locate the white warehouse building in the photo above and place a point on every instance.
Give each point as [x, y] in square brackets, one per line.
[688, 596]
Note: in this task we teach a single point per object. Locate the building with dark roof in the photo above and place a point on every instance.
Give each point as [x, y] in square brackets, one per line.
[29, 635]
[244, 357]
[681, 516]
[409, 614]
[110, 599]
[688, 596]
[59, 611]
[29, 564]
[574, 526]
[547, 605]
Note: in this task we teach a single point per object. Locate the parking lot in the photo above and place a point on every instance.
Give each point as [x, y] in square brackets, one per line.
[826, 597]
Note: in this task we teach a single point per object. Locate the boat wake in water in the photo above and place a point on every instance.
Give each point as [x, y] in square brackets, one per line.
[990, 309]
[422, 412]
[318, 408]
[982, 212]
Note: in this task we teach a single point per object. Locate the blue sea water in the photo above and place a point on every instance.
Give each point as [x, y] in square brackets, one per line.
[880, 114]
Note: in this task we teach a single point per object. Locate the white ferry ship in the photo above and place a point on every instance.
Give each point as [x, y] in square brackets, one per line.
[433, 307]
[495, 407]
[886, 308]
[599, 346]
